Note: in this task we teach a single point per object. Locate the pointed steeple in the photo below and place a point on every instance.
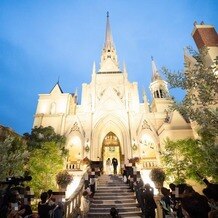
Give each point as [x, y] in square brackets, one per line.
[158, 86]
[108, 35]
[155, 73]
[56, 88]
[109, 62]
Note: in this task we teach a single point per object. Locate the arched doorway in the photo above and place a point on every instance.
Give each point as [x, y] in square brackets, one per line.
[111, 149]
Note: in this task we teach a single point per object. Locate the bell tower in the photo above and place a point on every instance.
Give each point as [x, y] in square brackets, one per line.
[159, 91]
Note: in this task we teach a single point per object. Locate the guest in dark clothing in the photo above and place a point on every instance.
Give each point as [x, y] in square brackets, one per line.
[115, 163]
[165, 201]
[26, 208]
[114, 212]
[149, 204]
[195, 206]
[44, 207]
[138, 188]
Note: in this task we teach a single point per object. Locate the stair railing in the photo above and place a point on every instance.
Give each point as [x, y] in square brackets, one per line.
[72, 204]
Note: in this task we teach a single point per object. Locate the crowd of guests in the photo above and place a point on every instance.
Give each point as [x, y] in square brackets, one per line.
[48, 207]
[179, 201]
[15, 203]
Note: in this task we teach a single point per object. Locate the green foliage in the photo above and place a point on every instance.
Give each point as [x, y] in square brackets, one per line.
[44, 165]
[47, 153]
[201, 85]
[39, 135]
[13, 157]
[185, 158]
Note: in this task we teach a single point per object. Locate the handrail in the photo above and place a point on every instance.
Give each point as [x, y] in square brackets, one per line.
[72, 204]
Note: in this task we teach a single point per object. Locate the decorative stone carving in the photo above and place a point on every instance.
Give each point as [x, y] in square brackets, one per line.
[145, 125]
[75, 127]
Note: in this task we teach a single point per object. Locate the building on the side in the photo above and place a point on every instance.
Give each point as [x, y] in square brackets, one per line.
[111, 121]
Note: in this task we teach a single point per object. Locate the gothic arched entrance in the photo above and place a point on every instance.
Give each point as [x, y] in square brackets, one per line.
[111, 149]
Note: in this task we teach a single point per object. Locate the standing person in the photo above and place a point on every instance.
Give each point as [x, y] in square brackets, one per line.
[148, 203]
[43, 207]
[108, 166]
[165, 202]
[115, 163]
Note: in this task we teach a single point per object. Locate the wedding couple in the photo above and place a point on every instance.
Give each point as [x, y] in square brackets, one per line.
[109, 164]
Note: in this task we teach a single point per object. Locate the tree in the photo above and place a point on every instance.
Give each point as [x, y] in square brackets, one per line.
[173, 162]
[44, 164]
[47, 153]
[13, 157]
[200, 105]
[201, 85]
[187, 158]
[40, 134]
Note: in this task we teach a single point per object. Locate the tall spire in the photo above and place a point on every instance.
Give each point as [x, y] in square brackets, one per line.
[108, 35]
[109, 62]
[155, 73]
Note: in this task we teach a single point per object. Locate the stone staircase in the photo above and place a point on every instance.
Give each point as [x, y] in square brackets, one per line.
[113, 192]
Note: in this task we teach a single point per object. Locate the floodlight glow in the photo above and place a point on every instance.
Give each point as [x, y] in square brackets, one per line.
[75, 140]
[72, 186]
[146, 179]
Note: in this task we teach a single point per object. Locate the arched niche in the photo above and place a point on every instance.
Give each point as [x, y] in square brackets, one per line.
[75, 147]
[148, 144]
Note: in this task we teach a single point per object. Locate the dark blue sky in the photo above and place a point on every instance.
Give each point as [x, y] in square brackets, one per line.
[43, 40]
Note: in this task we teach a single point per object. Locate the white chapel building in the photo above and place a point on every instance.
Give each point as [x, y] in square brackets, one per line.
[111, 121]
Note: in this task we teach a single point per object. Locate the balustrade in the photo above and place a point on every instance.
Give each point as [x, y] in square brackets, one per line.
[72, 204]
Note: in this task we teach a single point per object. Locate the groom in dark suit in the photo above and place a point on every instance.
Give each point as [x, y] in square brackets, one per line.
[115, 163]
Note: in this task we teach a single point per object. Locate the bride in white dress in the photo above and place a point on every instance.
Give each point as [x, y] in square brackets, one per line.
[108, 166]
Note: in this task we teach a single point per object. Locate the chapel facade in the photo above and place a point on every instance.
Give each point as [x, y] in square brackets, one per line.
[111, 121]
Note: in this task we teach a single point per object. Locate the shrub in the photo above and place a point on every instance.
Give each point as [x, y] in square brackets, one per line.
[157, 175]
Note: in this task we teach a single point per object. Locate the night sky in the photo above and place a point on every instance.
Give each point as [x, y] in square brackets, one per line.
[41, 41]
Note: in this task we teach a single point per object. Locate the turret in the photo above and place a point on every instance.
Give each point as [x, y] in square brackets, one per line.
[158, 86]
[159, 90]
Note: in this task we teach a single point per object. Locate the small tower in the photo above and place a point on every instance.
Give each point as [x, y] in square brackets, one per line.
[159, 90]
[109, 61]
